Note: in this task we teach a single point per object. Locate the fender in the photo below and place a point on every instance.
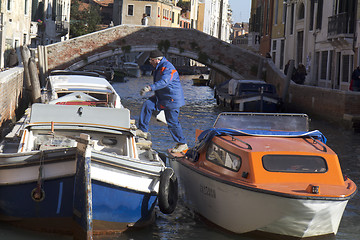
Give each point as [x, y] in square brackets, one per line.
[168, 191]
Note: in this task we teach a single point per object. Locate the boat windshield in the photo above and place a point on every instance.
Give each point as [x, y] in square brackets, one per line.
[294, 163]
[263, 121]
[255, 87]
[223, 158]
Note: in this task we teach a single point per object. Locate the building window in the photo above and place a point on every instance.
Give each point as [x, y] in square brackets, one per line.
[267, 23]
[324, 60]
[158, 12]
[284, 17]
[9, 5]
[346, 65]
[312, 12]
[148, 10]
[172, 17]
[274, 45]
[273, 56]
[25, 39]
[317, 64]
[54, 12]
[282, 49]
[130, 10]
[292, 19]
[300, 46]
[319, 14]
[330, 73]
[276, 11]
[26, 7]
[301, 12]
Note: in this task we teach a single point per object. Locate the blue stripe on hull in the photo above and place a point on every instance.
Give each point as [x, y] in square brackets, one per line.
[120, 205]
[16, 201]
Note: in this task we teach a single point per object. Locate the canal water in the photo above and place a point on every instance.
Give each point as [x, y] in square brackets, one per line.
[200, 112]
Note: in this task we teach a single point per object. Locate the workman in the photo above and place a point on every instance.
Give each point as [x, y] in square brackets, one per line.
[168, 96]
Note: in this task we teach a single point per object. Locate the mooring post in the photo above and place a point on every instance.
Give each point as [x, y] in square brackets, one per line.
[35, 82]
[25, 55]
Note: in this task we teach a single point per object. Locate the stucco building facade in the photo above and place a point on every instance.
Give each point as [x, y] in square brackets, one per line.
[320, 34]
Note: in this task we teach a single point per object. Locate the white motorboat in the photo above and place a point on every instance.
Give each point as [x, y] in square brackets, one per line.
[264, 172]
[39, 173]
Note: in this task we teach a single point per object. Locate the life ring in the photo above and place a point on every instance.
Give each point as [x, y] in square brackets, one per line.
[168, 191]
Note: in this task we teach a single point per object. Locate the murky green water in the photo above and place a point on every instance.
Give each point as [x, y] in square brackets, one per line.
[200, 112]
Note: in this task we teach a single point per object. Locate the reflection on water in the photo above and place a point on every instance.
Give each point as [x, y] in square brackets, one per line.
[200, 112]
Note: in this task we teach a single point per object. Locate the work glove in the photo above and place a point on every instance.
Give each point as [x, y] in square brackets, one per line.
[145, 90]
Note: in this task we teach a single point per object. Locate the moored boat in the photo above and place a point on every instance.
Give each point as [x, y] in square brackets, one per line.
[40, 173]
[267, 173]
[80, 88]
[248, 96]
[200, 81]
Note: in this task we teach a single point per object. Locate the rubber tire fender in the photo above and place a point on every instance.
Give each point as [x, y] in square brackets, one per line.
[168, 191]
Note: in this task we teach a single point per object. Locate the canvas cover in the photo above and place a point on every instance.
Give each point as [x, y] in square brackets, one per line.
[43, 114]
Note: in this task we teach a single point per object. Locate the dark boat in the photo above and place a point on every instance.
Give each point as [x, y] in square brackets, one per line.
[248, 96]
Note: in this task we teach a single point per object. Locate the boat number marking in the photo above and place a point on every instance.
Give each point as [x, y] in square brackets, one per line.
[208, 191]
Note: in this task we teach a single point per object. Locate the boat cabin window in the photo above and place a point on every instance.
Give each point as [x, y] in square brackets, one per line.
[294, 163]
[99, 96]
[223, 158]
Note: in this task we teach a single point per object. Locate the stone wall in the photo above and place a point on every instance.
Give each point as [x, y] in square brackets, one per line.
[11, 94]
[329, 104]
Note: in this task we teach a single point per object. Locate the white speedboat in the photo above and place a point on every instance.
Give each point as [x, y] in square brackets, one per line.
[85, 89]
[264, 172]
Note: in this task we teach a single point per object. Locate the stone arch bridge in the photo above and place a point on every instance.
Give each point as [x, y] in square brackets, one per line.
[228, 59]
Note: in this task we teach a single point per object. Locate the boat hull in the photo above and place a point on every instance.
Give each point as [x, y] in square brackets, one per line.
[115, 208]
[20, 180]
[200, 82]
[242, 210]
[105, 200]
[253, 103]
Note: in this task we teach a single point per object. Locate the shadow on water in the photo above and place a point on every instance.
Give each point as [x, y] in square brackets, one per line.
[200, 112]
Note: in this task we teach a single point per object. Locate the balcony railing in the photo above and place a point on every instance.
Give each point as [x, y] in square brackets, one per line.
[62, 28]
[61, 25]
[340, 25]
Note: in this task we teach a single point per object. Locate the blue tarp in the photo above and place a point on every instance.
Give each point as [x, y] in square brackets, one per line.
[206, 136]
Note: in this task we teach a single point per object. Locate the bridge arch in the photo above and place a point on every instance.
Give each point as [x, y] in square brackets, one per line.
[75, 53]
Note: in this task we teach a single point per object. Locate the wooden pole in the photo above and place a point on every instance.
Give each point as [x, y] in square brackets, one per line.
[35, 82]
[25, 55]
